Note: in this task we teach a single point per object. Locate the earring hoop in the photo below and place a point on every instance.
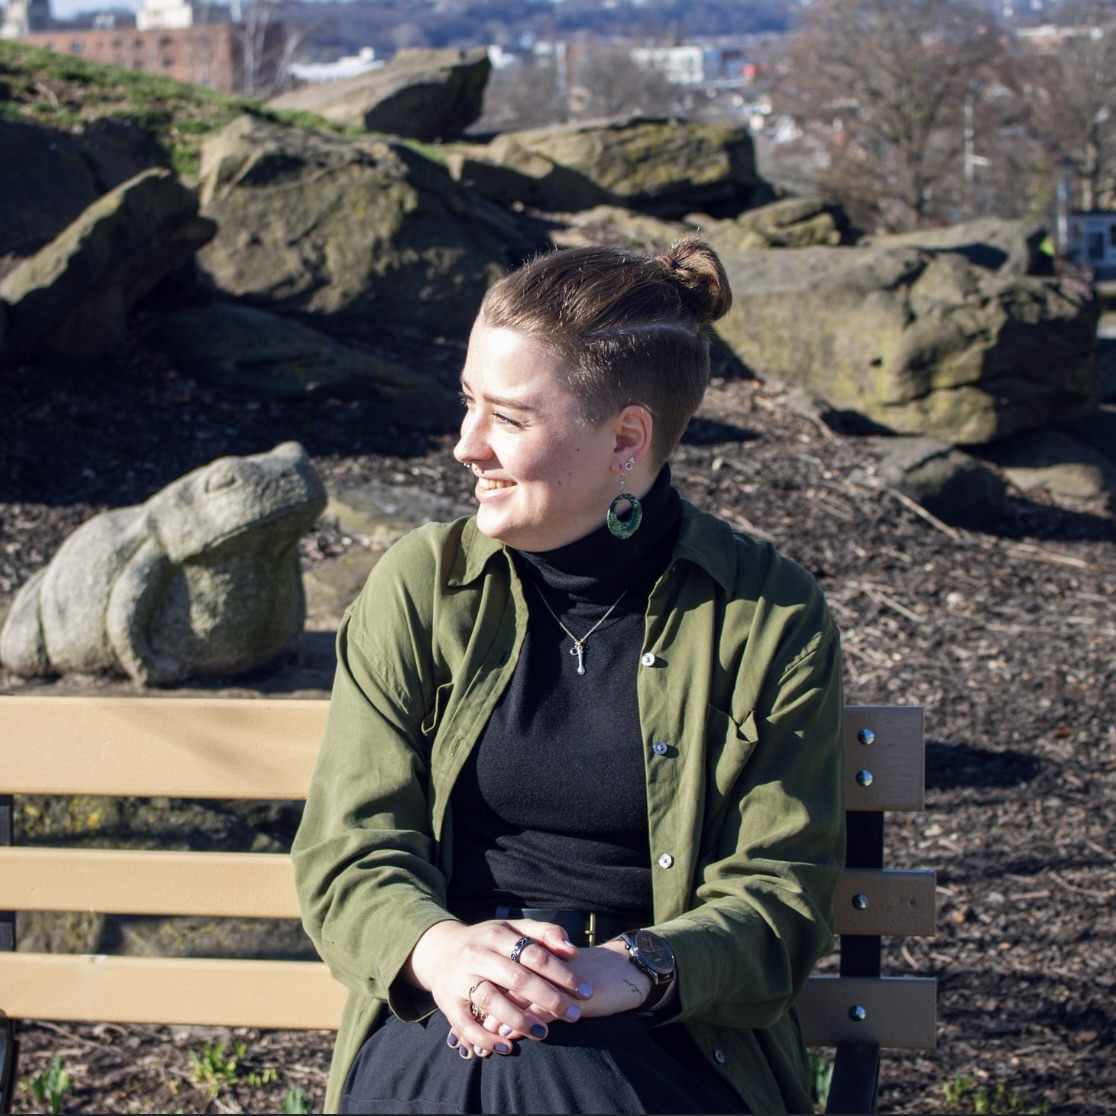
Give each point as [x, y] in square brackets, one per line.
[624, 528]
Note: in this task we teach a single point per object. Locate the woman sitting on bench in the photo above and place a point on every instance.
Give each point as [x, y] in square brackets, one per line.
[575, 826]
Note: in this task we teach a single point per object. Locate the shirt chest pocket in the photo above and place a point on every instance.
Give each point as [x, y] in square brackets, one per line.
[729, 745]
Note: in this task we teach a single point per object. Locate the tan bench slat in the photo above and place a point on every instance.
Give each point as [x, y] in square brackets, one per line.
[901, 902]
[895, 759]
[261, 885]
[280, 994]
[286, 995]
[178, 747]
[265, 748]
[901, 1012]
[148, 881]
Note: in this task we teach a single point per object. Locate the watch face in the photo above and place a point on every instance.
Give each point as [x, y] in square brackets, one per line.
[654, 952]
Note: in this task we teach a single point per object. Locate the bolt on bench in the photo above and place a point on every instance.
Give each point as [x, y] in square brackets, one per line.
[264, 749]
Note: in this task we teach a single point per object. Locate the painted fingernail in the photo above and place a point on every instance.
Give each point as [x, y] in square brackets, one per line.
[573, 1013]
[464, 1052]
[452, 1040]
[503, 1048]
[584, 991]
[538, 1030]
[567, 942]
[480, 1051]
[505, 1030]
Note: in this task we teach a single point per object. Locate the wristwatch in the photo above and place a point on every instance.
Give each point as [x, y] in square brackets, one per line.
[651, 955]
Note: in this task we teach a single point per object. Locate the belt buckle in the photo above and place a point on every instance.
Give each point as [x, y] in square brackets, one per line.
[591, 928]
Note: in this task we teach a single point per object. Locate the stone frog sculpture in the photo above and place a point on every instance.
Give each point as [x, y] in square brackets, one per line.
[201, 580]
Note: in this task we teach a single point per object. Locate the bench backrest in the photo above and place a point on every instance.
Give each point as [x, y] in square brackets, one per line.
[231, 748]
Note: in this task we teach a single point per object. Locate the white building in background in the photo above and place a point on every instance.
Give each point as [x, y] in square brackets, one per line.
[24, 17]
[165, 15]
[317, 73]
[682, 65]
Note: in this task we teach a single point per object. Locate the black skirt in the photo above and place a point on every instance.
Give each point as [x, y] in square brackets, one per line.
[594, 1065]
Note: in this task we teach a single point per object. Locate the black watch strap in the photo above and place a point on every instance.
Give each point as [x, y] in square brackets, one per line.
[655, 996]
[654, 957]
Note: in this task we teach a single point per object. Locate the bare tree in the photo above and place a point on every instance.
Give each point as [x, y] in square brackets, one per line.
[891, 88]
[604, 80]
[529, 94]
[268, 48]
[1072, 93]
[585, 81]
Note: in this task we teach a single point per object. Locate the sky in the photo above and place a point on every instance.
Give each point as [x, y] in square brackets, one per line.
[67, 9]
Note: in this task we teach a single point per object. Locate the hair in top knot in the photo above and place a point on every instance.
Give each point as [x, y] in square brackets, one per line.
[699, 271]
[628, 327]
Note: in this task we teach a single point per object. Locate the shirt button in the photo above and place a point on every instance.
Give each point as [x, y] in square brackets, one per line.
[720, 1056]
[660, 747]
[666, 860]
[648, 659]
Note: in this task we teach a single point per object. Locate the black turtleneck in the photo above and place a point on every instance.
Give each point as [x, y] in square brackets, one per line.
[550, 809]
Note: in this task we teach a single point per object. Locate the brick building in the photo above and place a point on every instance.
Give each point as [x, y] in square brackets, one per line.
[208, 54]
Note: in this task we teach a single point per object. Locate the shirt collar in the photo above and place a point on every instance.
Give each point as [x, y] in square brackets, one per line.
[707, 542]
[703, 539]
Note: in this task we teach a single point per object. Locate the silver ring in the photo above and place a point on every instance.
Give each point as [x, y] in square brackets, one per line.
[477, 1014]
[519, 947]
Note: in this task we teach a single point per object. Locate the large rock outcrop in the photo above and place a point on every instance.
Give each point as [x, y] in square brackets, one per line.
[995, 243]
[916, 341]
[357, 227]
[243, 351]
[73, 296]
[666, 167]
[421, 94]
[796, 223]
[45, 183]
[201, 580]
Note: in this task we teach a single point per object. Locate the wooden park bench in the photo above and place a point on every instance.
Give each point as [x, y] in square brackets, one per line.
[264, 749]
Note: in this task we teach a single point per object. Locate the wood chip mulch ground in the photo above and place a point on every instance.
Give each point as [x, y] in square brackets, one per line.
[1006, 634]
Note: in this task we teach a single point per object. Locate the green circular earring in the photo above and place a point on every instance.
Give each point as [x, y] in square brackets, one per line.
[624, 528]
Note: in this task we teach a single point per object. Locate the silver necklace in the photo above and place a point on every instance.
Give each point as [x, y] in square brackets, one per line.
[578, 648]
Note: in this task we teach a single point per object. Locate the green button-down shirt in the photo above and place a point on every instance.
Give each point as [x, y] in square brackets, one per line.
[739, 676]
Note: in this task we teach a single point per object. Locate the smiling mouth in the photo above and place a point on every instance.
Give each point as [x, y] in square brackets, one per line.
[489, 484]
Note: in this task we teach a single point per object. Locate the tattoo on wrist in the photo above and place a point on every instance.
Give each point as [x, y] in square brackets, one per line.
[635, 988]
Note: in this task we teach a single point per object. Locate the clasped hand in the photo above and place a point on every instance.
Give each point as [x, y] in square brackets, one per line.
[465, 967]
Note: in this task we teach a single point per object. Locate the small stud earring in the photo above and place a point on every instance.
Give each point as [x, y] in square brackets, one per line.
[624, 528]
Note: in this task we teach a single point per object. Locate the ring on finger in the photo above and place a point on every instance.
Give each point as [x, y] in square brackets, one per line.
[519, 947]
[477, 1014]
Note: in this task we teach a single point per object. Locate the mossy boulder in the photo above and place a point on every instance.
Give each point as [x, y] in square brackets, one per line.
[789, 223]
[913, 341]
[993, 243]
[422, 94]
[75, 294]
[1063, 464]
[45, 183]
[252, 353]
[667, 167]
[618, 227]
[950, 484]
[355, 227]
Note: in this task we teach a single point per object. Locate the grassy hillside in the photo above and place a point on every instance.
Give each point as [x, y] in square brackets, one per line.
[63, 91]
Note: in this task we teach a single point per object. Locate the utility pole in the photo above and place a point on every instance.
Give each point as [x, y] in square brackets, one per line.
[970, 160]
